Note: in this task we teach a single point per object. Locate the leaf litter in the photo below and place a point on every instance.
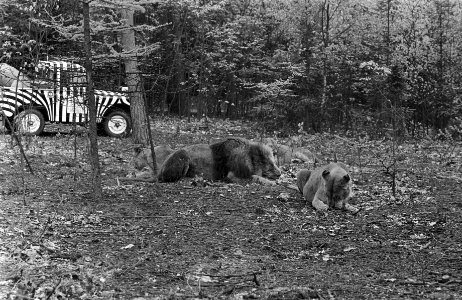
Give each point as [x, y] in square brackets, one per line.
[194, 240]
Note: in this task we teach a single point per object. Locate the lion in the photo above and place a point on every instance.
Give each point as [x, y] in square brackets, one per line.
[327, 187]
[231, 160]
[285, 154]
[142, 157]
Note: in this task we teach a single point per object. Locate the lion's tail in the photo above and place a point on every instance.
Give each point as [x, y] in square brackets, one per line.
[175, 167]
[302, 177]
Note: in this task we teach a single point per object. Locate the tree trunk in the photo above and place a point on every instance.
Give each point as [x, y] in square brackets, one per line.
[325, 27]
[93, 155]
[388, 32]
[180, 94]
[137, 107]
[177, 102]
[308, 43]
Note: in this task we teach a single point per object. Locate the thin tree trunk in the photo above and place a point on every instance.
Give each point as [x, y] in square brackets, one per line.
[308, 43]
[137, 107]
[164, 102]
[93, 155]
[388, 31]
[177, 105]
[325, 29]
[151, 142]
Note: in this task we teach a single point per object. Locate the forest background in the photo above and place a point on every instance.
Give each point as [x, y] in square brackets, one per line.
[357, 66]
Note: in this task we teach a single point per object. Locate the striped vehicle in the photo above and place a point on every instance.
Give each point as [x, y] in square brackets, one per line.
[58, 96]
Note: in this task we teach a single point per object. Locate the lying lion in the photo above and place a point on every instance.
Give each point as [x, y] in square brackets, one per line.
[285, 154]
[142, 158]
[230, 160]
[327, 187]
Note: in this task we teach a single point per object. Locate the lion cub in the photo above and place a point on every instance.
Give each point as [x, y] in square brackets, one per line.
[327, 187]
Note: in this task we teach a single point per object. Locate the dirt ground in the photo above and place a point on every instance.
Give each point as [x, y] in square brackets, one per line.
[195, 240]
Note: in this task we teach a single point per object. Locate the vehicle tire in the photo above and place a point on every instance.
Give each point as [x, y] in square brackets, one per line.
[117, 124]
[30, 122]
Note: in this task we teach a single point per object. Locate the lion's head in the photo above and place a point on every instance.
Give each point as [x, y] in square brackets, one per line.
[338, 187]
[142, 157]
[266, 163]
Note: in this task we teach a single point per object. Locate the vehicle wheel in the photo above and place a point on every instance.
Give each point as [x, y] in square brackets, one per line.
[30, 122]
[117, 124]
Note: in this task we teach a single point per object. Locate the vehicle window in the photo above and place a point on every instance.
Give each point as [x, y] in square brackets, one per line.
[11, 77]
[46, 77]
[72, 78]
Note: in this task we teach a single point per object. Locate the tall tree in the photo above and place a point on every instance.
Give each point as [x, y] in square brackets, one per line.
[93, 155]
[325, 34]
[134, 81]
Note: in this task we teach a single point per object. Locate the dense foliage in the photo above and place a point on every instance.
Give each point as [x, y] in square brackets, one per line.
[339, 65]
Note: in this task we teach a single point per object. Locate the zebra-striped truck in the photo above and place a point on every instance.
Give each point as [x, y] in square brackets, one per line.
[57, 95]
